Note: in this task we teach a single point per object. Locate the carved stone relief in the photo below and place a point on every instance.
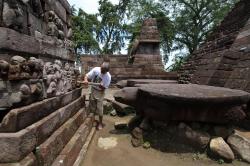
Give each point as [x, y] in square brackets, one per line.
[27, 81]
[13, 15]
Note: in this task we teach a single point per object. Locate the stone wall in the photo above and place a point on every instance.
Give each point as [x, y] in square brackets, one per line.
[143, 68]
[43, 120]
[40, 28]
[219, 61]
[36, 54]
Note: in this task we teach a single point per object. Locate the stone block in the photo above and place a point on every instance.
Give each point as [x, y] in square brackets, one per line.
[196, 139]
[13, 41]
[51, 148]
[20, 118]
[30, 160]
[15, 146]
[71, 151]
[240, 144]
[83, 152]
[221, 149]
[45, 127]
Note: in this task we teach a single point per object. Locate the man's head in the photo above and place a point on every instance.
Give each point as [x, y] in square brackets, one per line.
[104, 67]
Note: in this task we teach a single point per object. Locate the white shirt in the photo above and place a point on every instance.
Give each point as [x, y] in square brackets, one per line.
[96, 76]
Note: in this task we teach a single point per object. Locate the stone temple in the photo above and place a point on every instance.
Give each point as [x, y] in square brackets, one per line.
[143, 62]
[43, 120]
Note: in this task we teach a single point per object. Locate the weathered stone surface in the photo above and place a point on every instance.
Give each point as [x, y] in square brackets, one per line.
[17, 42]
[136, 142]
[127, 96]
[122, 109]
[121, 125]
[240, 144]
[18, 145]
[223, 132]
[70, 152]
[122, 84]
[133, 82]
[221, 149]
[83, 152]
[30, 160]
[196, 139]
[134, 122]
[193, 93]
[198, 103]
[137, 133]
[20, 118]
[45, 127]
[51, 148]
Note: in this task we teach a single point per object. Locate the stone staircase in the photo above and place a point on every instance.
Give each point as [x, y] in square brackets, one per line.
[47, 133]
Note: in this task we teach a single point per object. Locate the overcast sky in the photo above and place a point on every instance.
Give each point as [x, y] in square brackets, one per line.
[89, 6]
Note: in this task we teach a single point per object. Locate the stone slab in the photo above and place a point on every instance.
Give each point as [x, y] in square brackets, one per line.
[15, 146]
[133, 82]
[193, 93]
[83, 152]
[14, 41]
[20, 118]
[30, 160]
[240, 144]
[71, 151]
[190, 103]
[51, 148]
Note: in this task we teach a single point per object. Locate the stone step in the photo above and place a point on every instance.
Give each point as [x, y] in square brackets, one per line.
[71, 151]
[18, 119]
[15, 146]
[29, 160]
[80, 159]
[48, 151]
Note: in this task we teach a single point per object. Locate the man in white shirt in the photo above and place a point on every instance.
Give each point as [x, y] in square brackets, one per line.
[102, 76]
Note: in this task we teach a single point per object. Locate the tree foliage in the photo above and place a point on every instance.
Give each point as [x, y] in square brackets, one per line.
[195, 19]
[102, 33]
[84, 32]
[113, 29]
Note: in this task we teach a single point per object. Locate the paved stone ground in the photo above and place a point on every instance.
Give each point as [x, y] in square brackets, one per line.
[124, 154]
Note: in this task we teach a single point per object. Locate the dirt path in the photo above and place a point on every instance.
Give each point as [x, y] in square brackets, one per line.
[123, 154]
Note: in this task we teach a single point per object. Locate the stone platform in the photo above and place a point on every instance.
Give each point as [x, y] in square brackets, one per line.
[189, 102]
[135, 82]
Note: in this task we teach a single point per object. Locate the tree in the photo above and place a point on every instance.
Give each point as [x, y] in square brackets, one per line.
[84, 32]
[112, 31]
[195, 19]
